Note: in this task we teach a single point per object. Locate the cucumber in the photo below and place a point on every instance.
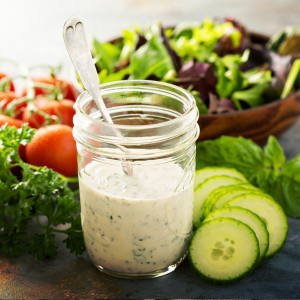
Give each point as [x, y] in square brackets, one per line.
[249, 218]
[223, 251]
[214, 197]
[211, 198]
[229, 194]
[271, 213]
[204, 189]
[205, 173]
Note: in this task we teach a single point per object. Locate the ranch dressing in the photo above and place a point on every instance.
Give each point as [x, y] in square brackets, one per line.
[135, 224]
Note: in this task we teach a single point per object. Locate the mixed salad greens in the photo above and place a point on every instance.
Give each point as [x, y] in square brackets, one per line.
[216, 61]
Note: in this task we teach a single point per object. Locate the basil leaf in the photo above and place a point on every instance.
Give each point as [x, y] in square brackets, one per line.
[267, 171]
[273, 154]
[239, 153]
[292, 168]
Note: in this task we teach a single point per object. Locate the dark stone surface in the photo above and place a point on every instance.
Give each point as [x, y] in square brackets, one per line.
[68, 276]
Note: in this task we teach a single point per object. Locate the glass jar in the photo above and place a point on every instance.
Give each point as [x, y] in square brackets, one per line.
[137, 225]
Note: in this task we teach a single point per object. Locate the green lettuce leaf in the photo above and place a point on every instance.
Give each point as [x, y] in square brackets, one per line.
[253, 95]
[151, 58]
[102, 57]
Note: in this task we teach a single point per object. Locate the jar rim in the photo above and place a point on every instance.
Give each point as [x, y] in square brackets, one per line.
[185, 93]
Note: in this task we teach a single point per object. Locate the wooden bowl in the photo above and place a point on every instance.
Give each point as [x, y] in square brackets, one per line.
[255, 123]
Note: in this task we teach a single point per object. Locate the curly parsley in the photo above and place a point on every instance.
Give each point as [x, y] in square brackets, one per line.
[39, 192]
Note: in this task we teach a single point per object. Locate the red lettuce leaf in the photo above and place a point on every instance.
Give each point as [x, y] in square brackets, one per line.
[198, 75]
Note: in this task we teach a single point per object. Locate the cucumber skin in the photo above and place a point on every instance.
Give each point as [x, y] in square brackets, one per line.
[218, 281]
[238, 174]
[261, 259]
[200, 186]
[267, 257]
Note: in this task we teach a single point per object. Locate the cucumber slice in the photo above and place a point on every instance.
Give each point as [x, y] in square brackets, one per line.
[229, 195]
[223, 250]
[204, 189]
[249, 218]
[271, 213]
[211, 197]
[205, 173]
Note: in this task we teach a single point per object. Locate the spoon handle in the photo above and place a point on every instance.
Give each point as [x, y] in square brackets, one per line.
[77, 46]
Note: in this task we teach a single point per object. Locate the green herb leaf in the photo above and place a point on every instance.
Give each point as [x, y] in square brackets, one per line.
[13, 244]
[66, 209]
[239, 153]
[75, 241]
[43, 245]
[292, 168]
[267, 170]
[273, 154]
[39, 192]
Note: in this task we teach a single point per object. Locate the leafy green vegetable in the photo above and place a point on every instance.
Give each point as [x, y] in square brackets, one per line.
[286, 41]
[229, 75]
[102, 57]
[151, 58]
[292, 77]
[237, 78]
[103, 77]
[129, 40]
[252, 95]
[266, 169]
[200, 104]
[197, 41]
[40, 192]
[112, 51]
[237, 85]
[292, 168]
[273, 154]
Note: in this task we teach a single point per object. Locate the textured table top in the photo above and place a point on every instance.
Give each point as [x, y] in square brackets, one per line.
[31, 32]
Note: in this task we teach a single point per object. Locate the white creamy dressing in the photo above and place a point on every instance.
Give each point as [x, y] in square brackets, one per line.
[135, 224]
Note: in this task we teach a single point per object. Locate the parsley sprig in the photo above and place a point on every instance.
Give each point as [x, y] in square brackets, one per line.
[39, 192]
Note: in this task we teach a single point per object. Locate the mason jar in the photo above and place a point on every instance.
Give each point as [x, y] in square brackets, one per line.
[136, 176]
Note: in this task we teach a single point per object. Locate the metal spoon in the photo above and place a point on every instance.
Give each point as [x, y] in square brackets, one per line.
[80, 54]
